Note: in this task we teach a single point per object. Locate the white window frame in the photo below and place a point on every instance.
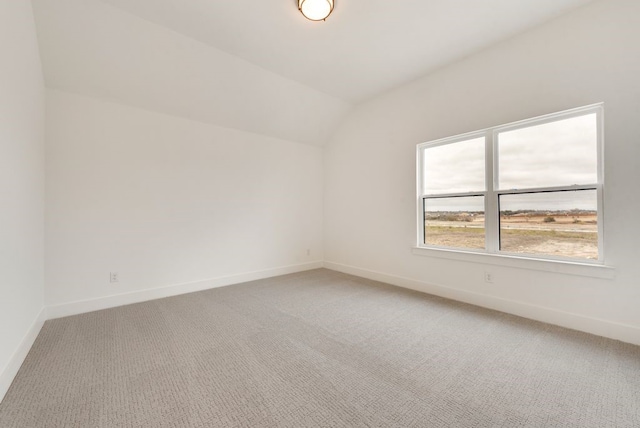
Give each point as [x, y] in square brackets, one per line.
[491, 195]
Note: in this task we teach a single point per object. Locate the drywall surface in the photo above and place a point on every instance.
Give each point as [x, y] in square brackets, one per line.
[89, 47]
[21, 183]
[585, 57]
[164, 201]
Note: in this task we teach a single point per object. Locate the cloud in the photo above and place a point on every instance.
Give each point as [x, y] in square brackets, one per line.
[559, 153]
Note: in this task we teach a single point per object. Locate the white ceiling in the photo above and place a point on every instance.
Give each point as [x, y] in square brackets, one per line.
[363, 48]
[259, 65]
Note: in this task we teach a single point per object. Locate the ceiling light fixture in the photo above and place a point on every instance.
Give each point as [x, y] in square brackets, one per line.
[316, 10]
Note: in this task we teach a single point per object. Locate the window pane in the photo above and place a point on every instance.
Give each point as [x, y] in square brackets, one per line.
[560, 153]
[454, 222]
[454, 168]
[563, 224]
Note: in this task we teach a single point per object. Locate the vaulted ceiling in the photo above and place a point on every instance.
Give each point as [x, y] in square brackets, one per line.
[259, 66]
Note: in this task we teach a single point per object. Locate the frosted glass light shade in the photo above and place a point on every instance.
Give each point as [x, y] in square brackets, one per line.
[315, 10]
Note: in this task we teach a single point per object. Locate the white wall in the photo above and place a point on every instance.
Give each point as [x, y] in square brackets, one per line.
[588, 56]
[166, 201]
[21, 186]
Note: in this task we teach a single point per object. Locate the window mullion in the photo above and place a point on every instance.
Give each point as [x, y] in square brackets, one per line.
[491, 200]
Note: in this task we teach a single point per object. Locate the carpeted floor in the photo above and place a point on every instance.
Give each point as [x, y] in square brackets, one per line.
[324, 349]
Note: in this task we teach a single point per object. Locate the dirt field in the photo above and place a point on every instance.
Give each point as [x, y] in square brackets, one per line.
[572, 235]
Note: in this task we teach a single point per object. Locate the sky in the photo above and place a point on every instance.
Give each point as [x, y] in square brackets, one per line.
[560, 153]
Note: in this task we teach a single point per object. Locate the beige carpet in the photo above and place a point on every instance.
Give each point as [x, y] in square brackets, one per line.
[323, 349]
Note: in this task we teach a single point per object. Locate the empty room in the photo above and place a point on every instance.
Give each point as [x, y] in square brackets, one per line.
[319, 213]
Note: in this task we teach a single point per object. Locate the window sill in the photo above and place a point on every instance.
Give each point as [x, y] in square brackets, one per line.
[556, 266]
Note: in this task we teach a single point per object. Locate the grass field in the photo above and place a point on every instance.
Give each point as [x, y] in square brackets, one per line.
[574, 235]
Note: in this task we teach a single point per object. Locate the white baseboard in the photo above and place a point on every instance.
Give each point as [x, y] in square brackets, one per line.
[83, 306]
[18, 357]
[599, 327]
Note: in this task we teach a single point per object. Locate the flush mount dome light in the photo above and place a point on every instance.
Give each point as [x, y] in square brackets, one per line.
[316, 10]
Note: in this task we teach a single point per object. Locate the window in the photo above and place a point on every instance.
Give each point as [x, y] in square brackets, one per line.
[531, 188]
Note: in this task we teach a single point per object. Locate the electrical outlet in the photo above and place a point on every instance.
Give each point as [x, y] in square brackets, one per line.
[114, 277]
[308, 251]
[488, 277]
